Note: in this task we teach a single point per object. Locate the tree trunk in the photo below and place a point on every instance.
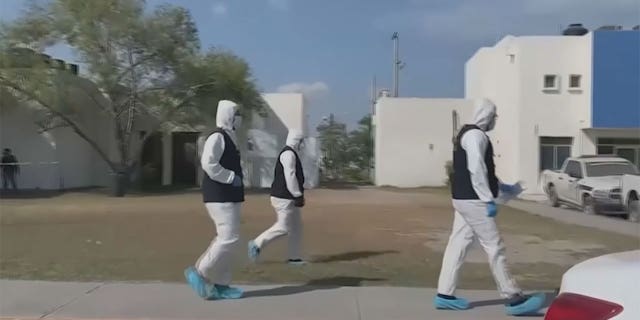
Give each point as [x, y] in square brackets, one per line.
[120, 180]
[119, 184]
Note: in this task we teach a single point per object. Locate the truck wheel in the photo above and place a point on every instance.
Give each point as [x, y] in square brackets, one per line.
[633, 206]
[589, 206]
[553, 196]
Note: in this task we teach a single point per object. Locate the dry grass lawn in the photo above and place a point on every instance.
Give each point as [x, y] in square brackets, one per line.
[352, 236]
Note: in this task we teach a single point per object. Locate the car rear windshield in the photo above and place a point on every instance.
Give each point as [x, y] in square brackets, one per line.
[603, 169]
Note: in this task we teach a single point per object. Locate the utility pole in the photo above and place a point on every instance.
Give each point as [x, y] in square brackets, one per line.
[396, 62]
[374, 95]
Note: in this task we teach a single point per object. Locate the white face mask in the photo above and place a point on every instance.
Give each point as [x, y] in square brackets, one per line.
[301, 146]
[492, 123]
[237, 122]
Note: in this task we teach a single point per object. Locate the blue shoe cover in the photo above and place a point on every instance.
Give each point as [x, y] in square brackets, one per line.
[254, 251]
[227, 292]
[213, 293]
[533, 304]
[196, 282]
[450, 304]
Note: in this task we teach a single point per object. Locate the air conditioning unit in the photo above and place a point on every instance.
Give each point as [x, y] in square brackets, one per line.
[610, 28]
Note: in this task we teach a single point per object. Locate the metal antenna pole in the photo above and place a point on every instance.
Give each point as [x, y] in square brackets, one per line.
[396, 62]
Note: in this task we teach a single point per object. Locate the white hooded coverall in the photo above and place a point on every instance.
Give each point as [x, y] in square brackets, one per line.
[289, 220]
[470, 217]
[215, 263]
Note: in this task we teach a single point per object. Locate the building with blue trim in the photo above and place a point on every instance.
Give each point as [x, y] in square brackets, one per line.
[560, 96]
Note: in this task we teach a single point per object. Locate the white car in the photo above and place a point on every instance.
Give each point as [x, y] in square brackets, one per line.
[602, 288]
[631, 196]
[591, 183]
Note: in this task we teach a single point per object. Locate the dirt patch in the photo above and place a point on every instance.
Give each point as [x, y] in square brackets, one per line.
[355, 236]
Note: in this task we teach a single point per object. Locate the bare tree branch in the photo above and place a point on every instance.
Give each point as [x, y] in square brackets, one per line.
[167, 115]
[133, 65]
[161, 120]
[96, 102]
[46, 128]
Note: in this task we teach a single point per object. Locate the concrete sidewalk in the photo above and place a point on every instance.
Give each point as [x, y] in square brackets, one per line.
[60, 300]
[579, 218]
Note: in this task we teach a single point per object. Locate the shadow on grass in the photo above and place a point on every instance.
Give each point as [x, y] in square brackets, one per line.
[29, 194]
[343, 185]
[133, 192]
[180, 190]
[430, 190]
[350, 256]
[44, 194]
[313, 285]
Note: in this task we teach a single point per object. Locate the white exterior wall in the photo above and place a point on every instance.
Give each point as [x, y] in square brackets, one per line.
[58, 159]
[35, 152]
[288, 108]
[511, 74]
[61, 159]
[561, 114]
[489, 74]
[413, 140]
[269, 134]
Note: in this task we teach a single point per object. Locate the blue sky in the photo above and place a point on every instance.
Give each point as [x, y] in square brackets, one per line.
[331, 49]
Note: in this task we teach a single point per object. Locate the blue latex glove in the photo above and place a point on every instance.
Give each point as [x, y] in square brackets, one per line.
[511, 189]
[237, 181]
[492, 209]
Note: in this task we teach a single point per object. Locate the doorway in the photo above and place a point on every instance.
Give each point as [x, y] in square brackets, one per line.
[185, 158]
[151, 161]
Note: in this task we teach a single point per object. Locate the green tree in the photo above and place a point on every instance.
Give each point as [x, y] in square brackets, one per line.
[334, 143]
[346, 156]
[361, 150]
[142, 64]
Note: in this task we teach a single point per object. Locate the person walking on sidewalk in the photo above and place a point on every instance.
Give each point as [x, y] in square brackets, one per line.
[223, 194]
[475, 189]
[287, 198]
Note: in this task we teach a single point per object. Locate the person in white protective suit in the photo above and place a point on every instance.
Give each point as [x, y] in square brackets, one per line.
[223, 193]
[287, 198]
[475, 189]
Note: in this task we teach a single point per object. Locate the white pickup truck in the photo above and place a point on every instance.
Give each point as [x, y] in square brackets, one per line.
[631, 195]
[591, 183]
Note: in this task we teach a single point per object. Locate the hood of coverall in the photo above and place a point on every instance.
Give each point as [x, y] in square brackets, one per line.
[294, 139]
[225, 116]
[484, 115]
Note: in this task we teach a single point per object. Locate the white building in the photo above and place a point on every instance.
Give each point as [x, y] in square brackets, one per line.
[559, 96]
[59, 159]
[413, 139]
[267, 136]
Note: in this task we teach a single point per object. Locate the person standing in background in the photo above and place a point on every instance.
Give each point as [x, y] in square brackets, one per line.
[10, 170]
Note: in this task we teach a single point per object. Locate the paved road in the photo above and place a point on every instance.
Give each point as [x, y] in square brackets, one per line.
[578, 218]
[59, 300]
